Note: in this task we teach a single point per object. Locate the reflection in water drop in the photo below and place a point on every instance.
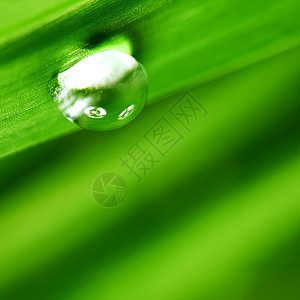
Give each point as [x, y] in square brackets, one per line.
[95, 112]
[126, 112]
[103, 91]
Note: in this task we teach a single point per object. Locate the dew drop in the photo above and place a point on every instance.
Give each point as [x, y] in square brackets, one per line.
[104, 91]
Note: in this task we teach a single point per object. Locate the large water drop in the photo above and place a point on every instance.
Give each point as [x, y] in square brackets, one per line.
[104, 91]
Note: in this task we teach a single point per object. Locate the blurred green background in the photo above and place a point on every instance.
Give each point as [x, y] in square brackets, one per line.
[217, 217]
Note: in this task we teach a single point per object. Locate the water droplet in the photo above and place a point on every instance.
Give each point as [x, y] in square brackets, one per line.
[104, 91]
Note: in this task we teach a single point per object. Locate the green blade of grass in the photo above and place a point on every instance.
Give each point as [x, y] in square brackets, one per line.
[20, 17]
[181, 43]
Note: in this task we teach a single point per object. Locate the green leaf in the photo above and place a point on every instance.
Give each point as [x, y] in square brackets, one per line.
[180, 43]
